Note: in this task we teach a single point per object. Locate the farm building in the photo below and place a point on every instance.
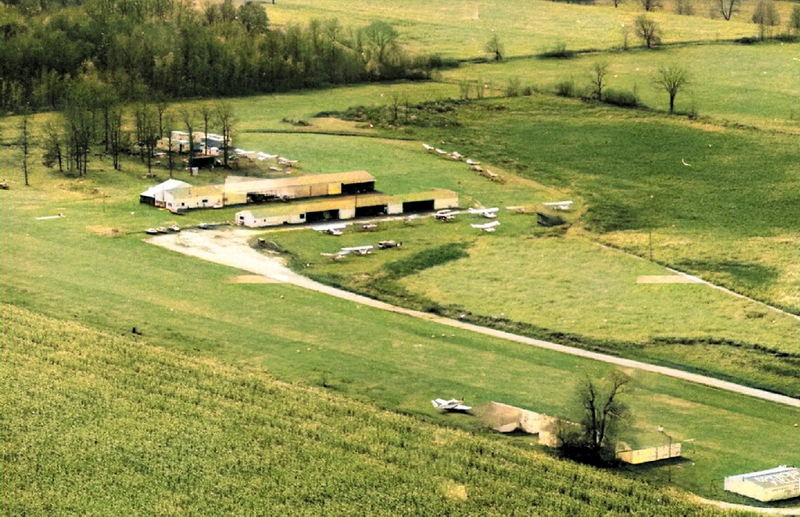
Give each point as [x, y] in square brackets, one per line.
[767, 485]
[347, 207]
[184, 198]
[252, 190]
[155, 194]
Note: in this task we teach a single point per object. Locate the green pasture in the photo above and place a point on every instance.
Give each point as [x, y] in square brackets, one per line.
[736, 204]
[756, 85]
[562, 285]
[106, 425]
[458, 29]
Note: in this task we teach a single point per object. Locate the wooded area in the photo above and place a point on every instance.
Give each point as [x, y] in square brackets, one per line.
[169, 48]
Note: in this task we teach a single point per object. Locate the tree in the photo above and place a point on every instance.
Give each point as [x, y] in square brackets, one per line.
[617, 2]
[205, 114]
[603, 415]
[650, 5]
[495, 47]
[169, 122]
[598, 77]
[794, 20]
[671, 78]
[379, 40]
[24, 144]
[253, 16]
[187, 117]
[648, 31]
[225, 117]
[115, 136]
[52, 144]
[766, 16]
[728, 7]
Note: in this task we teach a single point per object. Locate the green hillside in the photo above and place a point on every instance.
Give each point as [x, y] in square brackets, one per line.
[98, 424]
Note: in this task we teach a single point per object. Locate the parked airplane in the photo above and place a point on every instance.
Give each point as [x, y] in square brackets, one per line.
[488, 213]
[330, 229]
[559, 205]
[487, 227]
[358, 250]
[446, 215]
[450, 405]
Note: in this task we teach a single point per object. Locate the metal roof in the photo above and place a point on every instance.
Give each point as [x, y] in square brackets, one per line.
[777, 477]
[348, 201]
[237, 184]
[166, 185]
[204, 190]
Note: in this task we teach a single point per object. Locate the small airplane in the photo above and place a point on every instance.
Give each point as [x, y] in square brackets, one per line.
[358, 250]
[446, 215]
[330, 229]
[559, 205]
[488, 213]
[471, 162]
[450, 405]
[336, 257]
[427, 147]
[487, 227]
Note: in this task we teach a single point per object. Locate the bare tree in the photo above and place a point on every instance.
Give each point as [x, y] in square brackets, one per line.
[187, 117]
[114, 118]
[205, 114]
[650, 5]
[495, 47]
[598, 78]
[672, 78]
[766, 16]
[648, 30]
[168, 120]
[149, 136]
[603, 414]
[225, 117]
[24, 143]
[728, 7]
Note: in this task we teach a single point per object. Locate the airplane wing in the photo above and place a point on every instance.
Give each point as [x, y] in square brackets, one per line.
[358, 248]
[327, 227]
[485, 226]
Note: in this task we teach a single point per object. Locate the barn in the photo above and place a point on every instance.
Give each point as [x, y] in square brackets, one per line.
[254, 190]
[155, 194]
[346, 207]
[766, 485]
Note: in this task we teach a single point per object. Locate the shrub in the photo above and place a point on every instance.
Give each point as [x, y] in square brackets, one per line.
[514, 87]
[623, 98]
[559, 51]
[566, 88]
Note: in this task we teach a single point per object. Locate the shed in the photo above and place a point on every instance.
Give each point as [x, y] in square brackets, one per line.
[155, 194]
[766, 485]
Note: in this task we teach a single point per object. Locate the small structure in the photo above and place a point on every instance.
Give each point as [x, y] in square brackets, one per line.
[650, 454]
[155, 194]
[766, 485]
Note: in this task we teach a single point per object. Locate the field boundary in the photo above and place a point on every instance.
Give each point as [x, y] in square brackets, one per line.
[231, 248]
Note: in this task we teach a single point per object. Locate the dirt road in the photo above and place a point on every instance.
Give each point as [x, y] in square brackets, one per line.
[230, 247]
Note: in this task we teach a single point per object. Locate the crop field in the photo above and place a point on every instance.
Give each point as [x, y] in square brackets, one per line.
[114, 426]
[755, 85]
[457, 29]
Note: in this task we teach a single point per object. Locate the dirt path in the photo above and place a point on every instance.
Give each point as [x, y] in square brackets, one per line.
[230, 247]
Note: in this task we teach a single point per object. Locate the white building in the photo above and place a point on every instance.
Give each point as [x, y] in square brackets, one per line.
[766, 485]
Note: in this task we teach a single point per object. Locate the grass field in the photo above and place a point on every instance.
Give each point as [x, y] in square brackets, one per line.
[99, 424]
[526, 27]
[754, 85]
[736, 207]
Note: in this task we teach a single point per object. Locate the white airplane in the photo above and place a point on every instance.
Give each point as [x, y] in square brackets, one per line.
[487, 227]
[471, 162]
[330, 229]
[559, 205]
[488, 213]
[450, 405]
[446, 215]
[427, 147]
[358, 250]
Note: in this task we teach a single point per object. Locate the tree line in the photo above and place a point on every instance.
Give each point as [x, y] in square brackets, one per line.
[173, 49]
